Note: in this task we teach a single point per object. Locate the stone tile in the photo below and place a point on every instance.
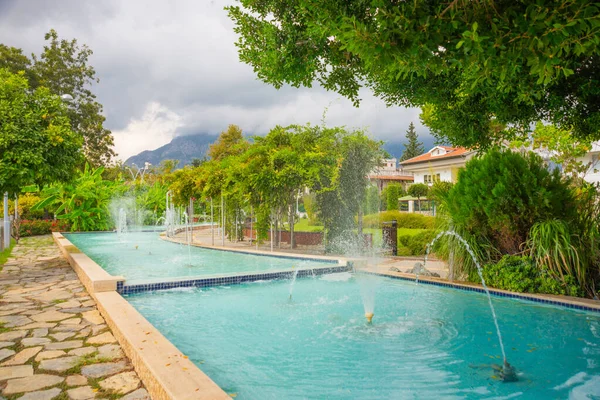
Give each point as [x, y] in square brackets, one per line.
[104, 369]
[47, 355]
[97, 328]
[62, 336]
[140, 394]
[69, 344]
[31, 383]
[40, 332]
[77, 310]
[85, 332]
[88, 303]
[54, 295]
[110, 351]
[34, 341]
[76, 380]
[71, 321]
[93, 316]
[69, 304]
[18, 371]
[81, 393]
[10, 321]
[42, 394]
[5, 353]
[36, 325]
[83, 351]
[103, 338]
[59, 364]
[50, 316]
[23, 356]
[12, 335]
[121, 383]
[6, 344]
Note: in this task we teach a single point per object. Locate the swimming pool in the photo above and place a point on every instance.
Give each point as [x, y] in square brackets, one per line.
[426, 341]
[144, 257]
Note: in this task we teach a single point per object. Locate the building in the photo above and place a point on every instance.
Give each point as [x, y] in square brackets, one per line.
[388, 173]
[439, 164]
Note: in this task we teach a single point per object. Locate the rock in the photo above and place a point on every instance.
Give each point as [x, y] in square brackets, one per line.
[36, 325]
[76, 380]
[98, 328]
[62, 336]
[69, 344]
[50, 316]
[110, 351]
[81, 393]
[69, 304]
[59, 364]
[47, 355]
[12, 335]
[83, 351]
[19, 371]
[121, 383]
[76, 310]
[85, 332]
[34, 341]
[140, 394]
[71, 321]
[42, 394]
[103, 369]
[88, 303]
[93, 316]
[103, 338]
[394, 269]
[421, 271]
[40, 332]
[5, 353]
[59, 294]
[6, 344]
[23, 356]
[31, 383]
[10, 321]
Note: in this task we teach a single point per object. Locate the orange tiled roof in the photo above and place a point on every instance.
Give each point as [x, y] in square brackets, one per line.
[392, 177]
[451, 153]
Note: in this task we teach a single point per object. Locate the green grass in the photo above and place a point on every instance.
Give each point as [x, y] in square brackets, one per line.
[303, 226]
[6, 253]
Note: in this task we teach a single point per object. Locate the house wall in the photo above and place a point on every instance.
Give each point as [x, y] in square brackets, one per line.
[593, 173]
[446, 174]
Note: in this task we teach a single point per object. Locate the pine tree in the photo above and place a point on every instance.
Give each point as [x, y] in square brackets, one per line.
[413, 148]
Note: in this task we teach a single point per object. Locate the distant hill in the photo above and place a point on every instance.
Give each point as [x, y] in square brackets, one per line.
[186, 148]
[182, 148]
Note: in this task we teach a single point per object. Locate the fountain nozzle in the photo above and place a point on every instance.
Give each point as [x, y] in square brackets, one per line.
[369, 317]
[508, 373]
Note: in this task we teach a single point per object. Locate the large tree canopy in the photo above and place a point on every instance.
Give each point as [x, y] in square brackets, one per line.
[37, 145]
[474, 67]
[63, 67]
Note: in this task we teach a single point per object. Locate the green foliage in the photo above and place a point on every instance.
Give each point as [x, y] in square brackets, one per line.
[372, 200]
[418, 190]
[393, 193]
[415, 245]
[501, 195]
[4, 254]
[413, 147]
[405, 220]
[475, 66]
[37, 145]
[230, 142]
[520, 274]
[42, 227]
[63, 68]
[84, 202]
[310, 206]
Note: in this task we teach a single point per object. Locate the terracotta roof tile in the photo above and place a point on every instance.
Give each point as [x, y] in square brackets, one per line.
[452, 152]
[392, 177]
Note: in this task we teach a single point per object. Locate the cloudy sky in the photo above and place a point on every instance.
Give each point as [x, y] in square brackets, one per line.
[170, 68]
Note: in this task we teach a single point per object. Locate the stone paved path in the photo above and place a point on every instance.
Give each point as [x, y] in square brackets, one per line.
[54, 344]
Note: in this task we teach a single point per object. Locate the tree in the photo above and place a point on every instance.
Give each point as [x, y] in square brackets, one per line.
[393, 195]
[63, 67]
[474, 67]
[37, 145]
[418, 190]
[413, 148]
[229, 142]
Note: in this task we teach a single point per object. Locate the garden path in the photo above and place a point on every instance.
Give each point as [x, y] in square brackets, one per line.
[54, 344]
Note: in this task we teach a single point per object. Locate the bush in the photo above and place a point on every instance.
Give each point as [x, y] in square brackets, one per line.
[393, 193]
[42, 227]
[415, 245]
[520, 274]
[405, 220]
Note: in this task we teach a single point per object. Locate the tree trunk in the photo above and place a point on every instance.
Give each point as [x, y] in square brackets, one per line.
[292, 238]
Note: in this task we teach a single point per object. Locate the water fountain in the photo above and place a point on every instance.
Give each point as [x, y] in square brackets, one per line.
[121, 224]
[507, 372]
[294, 275]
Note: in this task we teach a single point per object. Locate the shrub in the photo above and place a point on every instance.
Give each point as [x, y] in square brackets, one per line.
[520, 274]
[42, 227]
[415, 245]
[393, 193]
[405, 220]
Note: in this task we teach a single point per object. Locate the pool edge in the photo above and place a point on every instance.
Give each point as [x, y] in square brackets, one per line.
[165, 371]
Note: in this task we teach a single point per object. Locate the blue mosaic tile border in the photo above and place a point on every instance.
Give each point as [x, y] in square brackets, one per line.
[492, 292]
[225, 280]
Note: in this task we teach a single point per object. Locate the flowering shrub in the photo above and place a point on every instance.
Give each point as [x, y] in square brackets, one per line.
[42, 227]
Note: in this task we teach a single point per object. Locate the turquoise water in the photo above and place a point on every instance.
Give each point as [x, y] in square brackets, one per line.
[155, 259]
[426, 342]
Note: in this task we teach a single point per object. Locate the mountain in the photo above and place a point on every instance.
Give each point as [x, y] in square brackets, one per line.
[182, 148]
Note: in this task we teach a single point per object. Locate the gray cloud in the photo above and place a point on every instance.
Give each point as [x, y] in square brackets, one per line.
[171, 68]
